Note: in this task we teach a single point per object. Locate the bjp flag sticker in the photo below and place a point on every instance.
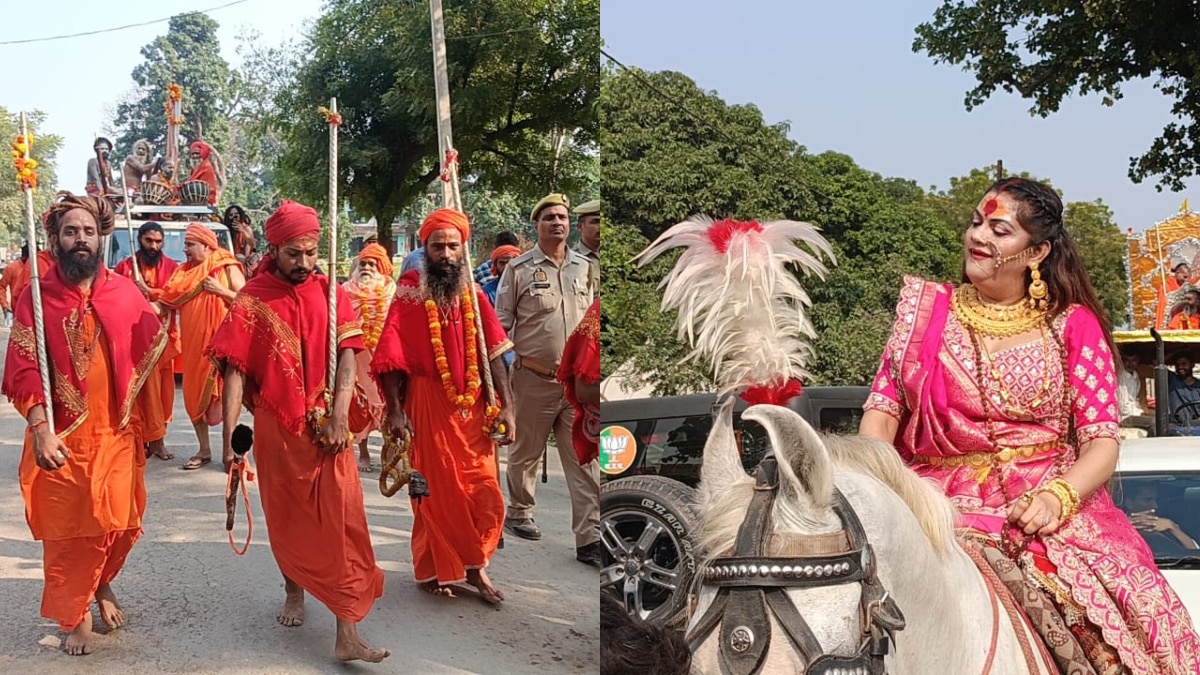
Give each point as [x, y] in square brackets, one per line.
[618, 449]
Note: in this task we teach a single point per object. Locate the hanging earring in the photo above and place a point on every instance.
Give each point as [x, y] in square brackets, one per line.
[1037, 288]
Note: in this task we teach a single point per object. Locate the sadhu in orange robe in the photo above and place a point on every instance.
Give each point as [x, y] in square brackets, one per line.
[458, 526]
[200, 314]
[277, 335]
[159, 393]
[101, 347]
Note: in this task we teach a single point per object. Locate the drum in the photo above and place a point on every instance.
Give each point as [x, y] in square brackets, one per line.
[156, 194]
[194, 193]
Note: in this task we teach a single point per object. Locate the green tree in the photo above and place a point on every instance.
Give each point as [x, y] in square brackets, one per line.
[45, 152]
[521, 75]
[1046, 50]
[188, 55]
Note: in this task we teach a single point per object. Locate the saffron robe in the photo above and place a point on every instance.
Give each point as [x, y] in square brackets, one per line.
[158, 400]
[581, 360]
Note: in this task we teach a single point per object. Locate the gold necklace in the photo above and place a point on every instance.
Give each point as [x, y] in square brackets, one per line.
[994, 321]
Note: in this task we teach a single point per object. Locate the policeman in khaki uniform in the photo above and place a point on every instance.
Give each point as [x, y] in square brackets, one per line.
[542, 296]
[589, 230]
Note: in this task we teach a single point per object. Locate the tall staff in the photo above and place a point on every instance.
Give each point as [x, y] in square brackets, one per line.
[35, 284]
[451, 196]
[133, 249]
[335, 120]
[174, 108]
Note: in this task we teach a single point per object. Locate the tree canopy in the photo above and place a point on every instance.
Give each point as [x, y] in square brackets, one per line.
[45, 152]
[670, 150]
[524, 77]
[1046, 51]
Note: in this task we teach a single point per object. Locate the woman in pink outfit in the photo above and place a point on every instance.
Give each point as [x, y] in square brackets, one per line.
[1002, 390]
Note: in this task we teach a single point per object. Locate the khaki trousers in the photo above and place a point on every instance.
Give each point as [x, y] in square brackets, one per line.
[542, 407]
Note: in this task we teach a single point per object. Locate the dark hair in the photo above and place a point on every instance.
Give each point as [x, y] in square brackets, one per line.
[506, 239]
[1182, 264]
[630, 646]
[99, 208]
[1040, 212]
[25, 251]
[232, 212]
[149, 226]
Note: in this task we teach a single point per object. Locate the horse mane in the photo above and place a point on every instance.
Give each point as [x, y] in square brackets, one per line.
[877, 459]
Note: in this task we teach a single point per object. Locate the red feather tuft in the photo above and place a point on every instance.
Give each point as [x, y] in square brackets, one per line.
[720, 232]
[772, 394]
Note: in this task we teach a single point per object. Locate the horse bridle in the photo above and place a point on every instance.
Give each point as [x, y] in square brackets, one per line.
[750, 583]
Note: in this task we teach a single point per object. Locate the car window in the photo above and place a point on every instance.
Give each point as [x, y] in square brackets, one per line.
[840, 420]
[1164, 507]
[118, 244]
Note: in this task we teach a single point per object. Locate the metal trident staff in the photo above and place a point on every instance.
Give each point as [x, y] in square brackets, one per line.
[35, 285]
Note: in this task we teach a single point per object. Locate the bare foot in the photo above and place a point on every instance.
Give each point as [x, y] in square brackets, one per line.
[364, 464]
[292, 612]
[479, 579]
[434, 588]
[110, 610]
[350, 647]
[158, 449]
[79, 642]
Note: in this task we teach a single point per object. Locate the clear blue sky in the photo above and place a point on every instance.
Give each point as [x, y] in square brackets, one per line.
[844, 75]
[78, 81]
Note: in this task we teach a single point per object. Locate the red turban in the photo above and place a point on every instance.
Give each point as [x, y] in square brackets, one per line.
[501, 251]
[379, 254]
[445, 219]
[201, 235]
[292, 221]
[202, 148]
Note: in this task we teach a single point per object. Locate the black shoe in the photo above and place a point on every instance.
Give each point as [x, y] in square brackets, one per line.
[501, 543]
[524, 528]
[589, 555]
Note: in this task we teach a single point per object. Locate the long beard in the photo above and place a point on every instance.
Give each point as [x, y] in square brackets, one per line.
[77, 269]
[444, 283]
[370, 281]
[151, 257]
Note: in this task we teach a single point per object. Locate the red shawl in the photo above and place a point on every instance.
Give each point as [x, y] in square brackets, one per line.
[204, 171]
[581, 360]
[405, 344]
[166, 267]
[277, 333]
[128, 325]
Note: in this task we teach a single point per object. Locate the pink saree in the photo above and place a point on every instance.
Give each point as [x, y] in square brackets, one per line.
[931, 386]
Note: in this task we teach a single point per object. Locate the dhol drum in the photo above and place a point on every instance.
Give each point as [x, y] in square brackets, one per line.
[156, 194]
[194, 193]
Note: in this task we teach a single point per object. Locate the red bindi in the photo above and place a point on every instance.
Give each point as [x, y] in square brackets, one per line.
[990, 206]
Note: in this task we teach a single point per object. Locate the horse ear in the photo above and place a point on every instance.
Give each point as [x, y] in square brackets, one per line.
[722, 466]
[806, 473]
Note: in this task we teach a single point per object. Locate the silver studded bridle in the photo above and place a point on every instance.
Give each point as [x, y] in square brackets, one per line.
[751, 588]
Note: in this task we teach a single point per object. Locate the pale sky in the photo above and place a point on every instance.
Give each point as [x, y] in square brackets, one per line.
[845, 76]
[75, 80]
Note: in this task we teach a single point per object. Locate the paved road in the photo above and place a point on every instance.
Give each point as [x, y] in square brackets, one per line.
[193, 606]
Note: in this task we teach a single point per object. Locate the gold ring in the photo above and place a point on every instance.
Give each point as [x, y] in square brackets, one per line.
[1027, 497]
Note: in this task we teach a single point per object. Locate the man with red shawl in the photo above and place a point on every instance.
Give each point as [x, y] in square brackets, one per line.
[202, 289]
[82, 478]
[579, 373]
[273, 350]
[155, 268]
[370, 288]
[428, 363]
[204, 169]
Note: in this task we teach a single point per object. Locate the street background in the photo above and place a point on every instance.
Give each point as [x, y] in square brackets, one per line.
[193, 606]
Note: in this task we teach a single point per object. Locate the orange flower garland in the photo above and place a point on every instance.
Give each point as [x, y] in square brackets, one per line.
[465, 400]
[26, 168]
[374, 313]
[174, 95]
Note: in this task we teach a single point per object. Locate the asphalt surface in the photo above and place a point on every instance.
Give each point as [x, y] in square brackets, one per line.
[193, 606]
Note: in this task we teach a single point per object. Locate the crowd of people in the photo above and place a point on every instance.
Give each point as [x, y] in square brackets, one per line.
[460, 364]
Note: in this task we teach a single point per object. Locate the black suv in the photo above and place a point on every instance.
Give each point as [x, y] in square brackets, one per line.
[647, 501]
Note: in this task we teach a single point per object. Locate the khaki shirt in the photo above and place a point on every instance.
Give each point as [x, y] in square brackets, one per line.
[592, 256]
[539, 302]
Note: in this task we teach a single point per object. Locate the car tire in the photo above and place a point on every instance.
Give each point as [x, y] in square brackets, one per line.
[646, 525]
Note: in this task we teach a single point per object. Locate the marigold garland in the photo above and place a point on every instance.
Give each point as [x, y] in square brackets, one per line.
[374, 314]
[26, 168]
[174, 94]
[467, 398]
[332, 118]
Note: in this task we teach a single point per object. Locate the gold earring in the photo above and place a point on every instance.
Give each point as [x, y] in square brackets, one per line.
[1037, 288]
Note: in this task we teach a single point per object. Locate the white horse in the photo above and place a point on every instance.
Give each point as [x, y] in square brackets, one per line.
[954, 626]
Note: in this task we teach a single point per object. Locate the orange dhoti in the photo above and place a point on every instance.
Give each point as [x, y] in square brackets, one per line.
[199, 319]
[313, 504]
[87, 514]
[458, 526]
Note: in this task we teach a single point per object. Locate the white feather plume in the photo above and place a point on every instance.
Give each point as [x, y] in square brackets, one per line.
[742, 309]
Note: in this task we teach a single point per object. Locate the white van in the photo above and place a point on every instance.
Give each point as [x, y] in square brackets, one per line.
[174, 220]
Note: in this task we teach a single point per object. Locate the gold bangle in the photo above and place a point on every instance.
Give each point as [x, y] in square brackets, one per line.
[1067, 496]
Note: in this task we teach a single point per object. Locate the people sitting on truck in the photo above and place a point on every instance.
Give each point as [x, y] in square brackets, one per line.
[1129, 390]
[1162, 534]
[1184, 390]
[1179, 276]
[1187, 313]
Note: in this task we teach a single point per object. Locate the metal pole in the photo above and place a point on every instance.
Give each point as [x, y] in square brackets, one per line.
[330, 377]
[35, 286]
[133, 249]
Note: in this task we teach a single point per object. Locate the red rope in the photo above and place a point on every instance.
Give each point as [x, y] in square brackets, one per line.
[246, 475]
